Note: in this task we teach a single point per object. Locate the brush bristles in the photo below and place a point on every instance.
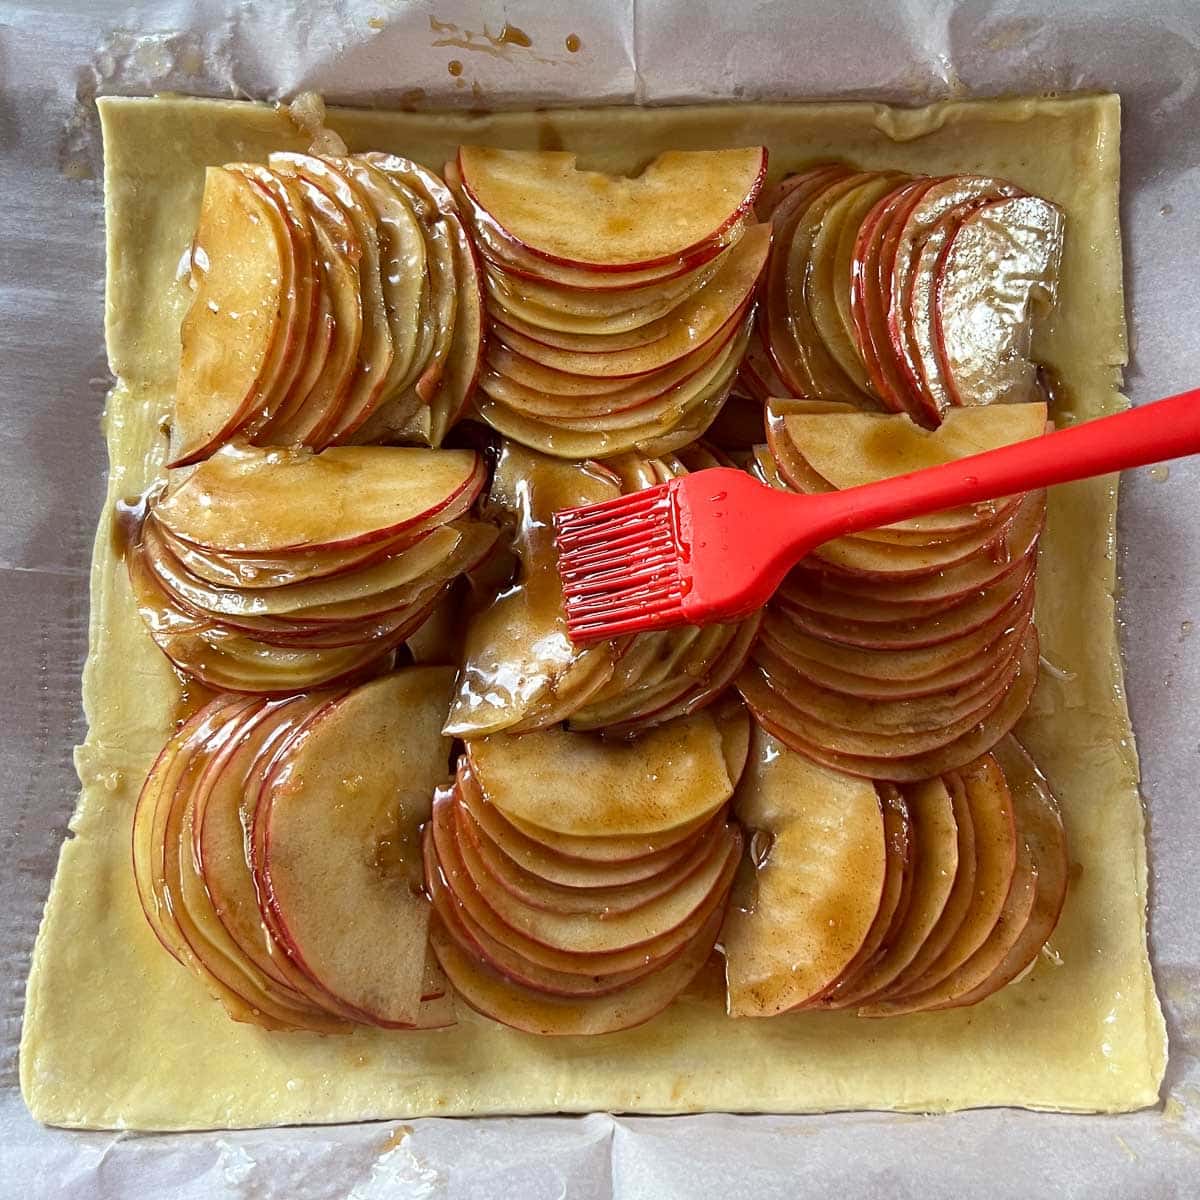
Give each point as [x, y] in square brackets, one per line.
[619, 564]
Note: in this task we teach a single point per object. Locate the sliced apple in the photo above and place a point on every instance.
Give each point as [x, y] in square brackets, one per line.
[996, 844]
[341, 868]
[946, 195]
[1040, 823]
[241, 500]
[817, 889]
[827, 285]
[616, 929]
[537, 859]
[934, 871]
[873, 262]
[451, 886]
[682, 201]
[535, 892]
[239, 257]
[313, 419]
[1004, 257]
[497, 996]
[893, 900]
[673, 775]
[518, 658]
[376, 347]
[224, 813]
[697, 319]
[908, 769]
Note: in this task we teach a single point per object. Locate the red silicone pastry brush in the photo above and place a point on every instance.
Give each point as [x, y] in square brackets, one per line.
[714, 545]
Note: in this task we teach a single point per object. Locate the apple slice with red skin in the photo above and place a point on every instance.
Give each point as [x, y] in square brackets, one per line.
[964, 617]
[229, 661]
[714, 677]
[766, 688]
[537, 859]
[533, 389]
[997, 842]
[406, 567]
[897, 882]
[340, 865]
[242, 499]
[830, 714]
[445, 869]
[894, 664]
[920, 304]
[474, 939]
[499, 248]
[680, 204]
[300, 294]
[616, 930]
[672, 405]
[672, 777]
[224, 812]
[985, 961]
[935, 837]
[789, 329]
[1040, 822]
[697, 319]
[536, 892]
[817, 890]
[585, 311]
[944, 196]
[784, 349]
[1018, 541]
[341, 252]
[682, 423]
[1004, 256]
[872, 262]
[376, 348]
[958, 900]
[967, 674]
[828, 277]
[244, 997]
[239, 256]
[554, 317]
[194, 914]
[150, 811]
[815, 596]
[404, 270]
[498, 997]
[949, 757]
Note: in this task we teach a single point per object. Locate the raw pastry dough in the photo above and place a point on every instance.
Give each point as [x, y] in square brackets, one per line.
[117, 1035]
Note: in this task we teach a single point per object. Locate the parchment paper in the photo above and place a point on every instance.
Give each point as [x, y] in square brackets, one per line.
[54, 58]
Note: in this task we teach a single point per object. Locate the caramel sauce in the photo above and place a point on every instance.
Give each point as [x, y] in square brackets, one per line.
[511, 35]
[573, 44]
[193, 696]
[129, 514]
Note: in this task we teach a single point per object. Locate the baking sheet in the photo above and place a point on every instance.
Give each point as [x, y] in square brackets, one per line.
[50, 271]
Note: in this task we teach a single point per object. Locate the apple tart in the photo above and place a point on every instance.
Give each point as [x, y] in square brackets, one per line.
[418, 865]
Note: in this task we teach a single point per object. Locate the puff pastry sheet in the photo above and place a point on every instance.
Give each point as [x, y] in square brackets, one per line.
[117, 1035]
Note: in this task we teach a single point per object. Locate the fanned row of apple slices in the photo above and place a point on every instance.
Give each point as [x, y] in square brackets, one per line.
[272, 571]
[521, 671]
[274, 858]
[911, 650]
[335, 300]
[620, 308]
[587, 916]
[891, 900]
[913, 294]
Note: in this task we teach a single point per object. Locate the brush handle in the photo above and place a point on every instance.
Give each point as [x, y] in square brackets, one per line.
[1150, 433]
